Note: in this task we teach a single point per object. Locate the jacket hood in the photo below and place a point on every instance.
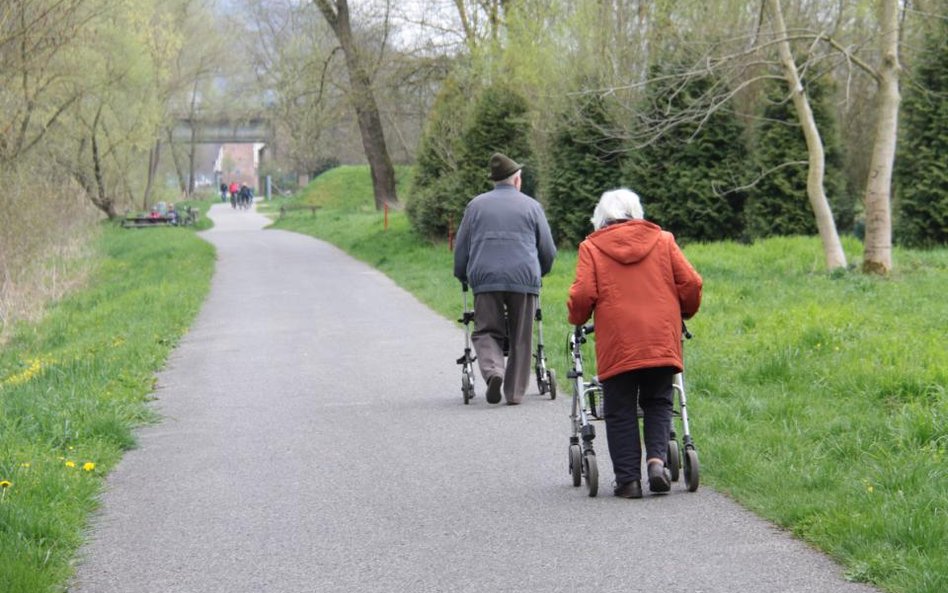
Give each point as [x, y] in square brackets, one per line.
[627, 242]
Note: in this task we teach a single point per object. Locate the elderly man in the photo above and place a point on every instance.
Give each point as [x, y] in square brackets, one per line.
[503, 248]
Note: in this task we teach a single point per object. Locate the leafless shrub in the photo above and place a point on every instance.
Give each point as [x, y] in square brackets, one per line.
[46, 229]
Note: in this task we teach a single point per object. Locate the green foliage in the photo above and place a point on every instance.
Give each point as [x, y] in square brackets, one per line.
[584, 162]
[438, 160]
[688, 174]
[921, 171]
[778, 204]
[498, 121]
[73, 386]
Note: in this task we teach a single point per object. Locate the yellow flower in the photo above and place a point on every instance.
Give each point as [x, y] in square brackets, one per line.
[25, 464]
[5, 484]
[70, 464]
[88, 466]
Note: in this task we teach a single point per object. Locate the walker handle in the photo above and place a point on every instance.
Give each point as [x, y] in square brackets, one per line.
[464, 287]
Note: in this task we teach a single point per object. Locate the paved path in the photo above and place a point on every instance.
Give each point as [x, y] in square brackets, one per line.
[315, 440]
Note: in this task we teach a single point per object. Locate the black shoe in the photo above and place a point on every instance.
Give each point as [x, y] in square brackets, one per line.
[658, 478]
[631, 489]
[493, 389]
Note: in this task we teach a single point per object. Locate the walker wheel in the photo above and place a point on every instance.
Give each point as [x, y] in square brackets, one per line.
[551, 381]
[692, 469]
[467, 387]
[576, 465]
[592, 473]
[674, 460]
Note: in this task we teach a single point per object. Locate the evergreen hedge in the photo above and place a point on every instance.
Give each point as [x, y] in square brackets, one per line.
[584, 162]
[778, 203]
[450, 173]
[921, 172]
[688, 177]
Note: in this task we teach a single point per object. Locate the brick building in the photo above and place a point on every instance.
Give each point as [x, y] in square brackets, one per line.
[240, 163]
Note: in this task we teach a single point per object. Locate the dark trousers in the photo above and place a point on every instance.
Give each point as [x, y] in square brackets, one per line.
[622, 394]
[491, 326]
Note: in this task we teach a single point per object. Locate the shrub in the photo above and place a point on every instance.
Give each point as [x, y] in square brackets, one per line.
[921, 173]
[584, 162]
[688, 174]
[778, 204]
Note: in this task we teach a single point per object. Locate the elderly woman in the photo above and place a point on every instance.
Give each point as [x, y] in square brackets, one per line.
[636, 280]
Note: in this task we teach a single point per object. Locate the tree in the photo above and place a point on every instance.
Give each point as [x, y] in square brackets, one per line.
[451, 173]
[921, 172]
[337, 15]
[38, 81]
[691, 175]
[877, 255]
[776, 204]
[816, 157]
[584, 162]
[438, 162]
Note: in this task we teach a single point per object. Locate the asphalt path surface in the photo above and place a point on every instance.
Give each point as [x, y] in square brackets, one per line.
[314, 439]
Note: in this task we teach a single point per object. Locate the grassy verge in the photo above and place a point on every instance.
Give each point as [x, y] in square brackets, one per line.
[73, 386]
[817, 400]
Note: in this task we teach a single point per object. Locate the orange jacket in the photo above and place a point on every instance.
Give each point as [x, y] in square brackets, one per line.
[638, 282]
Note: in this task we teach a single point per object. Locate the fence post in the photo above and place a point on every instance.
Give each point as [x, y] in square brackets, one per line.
[385, 207]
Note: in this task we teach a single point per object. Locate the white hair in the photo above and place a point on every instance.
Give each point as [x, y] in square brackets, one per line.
[618, 204]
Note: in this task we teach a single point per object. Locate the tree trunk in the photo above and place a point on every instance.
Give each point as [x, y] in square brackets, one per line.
[192, 141]
[363, 100]
[832, 247]
[877, 254]
[101, 196]
[182, 180]
[154, 154]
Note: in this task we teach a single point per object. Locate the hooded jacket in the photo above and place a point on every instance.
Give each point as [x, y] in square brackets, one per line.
[637, 281]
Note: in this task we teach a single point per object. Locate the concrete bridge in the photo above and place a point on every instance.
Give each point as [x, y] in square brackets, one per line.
[223, 130]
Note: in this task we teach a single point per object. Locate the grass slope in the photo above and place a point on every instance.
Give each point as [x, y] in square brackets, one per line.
[817, 400]
[73, 387]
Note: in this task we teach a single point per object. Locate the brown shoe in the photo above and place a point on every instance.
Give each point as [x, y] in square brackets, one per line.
[493, 389]
[631, 489]
[658, 477]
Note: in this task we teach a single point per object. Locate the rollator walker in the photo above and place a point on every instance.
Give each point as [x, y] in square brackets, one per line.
[545, 376]
[587, 406]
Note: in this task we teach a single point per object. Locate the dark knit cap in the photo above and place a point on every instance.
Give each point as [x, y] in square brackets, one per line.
[502, 167]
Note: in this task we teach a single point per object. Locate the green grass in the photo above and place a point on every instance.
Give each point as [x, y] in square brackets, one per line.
[73, 387]
[817, 400]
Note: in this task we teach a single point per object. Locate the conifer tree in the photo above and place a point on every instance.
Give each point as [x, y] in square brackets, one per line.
[688, 175]
[584, 162]
[451, 173]
[436, 175]
[921, 170]
[778, 204]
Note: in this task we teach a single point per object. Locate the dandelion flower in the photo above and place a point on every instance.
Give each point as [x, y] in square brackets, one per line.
[88, 466]
[5, 483]
[70, 464]
[25, 464]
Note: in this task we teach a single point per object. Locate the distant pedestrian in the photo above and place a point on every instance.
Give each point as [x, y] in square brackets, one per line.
[633, 278]
[223, 189]
[504, 246]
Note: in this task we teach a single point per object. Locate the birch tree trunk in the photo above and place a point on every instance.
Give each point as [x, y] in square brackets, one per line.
[832, 247]
[877, 254]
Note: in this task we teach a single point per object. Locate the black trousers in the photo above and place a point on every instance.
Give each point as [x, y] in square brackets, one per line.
[622, 395]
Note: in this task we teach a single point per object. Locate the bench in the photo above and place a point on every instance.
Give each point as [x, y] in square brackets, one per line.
[285, 209]
[188, 217]
[141, 222]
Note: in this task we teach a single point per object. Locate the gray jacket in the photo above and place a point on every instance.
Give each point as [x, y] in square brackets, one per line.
[504, 243]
